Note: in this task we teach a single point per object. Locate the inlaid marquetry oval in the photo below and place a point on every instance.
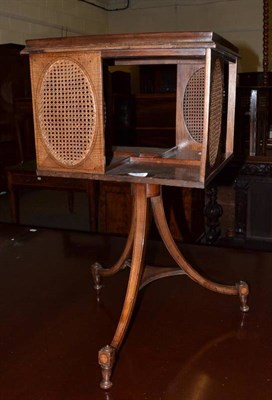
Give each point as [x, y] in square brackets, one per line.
[67, 112]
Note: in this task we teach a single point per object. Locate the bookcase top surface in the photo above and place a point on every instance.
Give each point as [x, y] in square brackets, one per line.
[131, 41]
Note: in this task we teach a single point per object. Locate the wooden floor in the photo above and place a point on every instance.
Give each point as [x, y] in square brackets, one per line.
[184, 343]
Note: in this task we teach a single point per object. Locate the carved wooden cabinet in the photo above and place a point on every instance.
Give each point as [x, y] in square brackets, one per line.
[14, 84]
[253, 182]
[253, 119]
[253, 190]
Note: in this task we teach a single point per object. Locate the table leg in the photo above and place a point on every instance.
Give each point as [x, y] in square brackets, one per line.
[106, 355]
[241, 288]
[98, 271]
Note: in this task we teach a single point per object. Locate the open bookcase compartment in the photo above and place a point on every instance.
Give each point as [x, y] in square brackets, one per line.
[69, 99]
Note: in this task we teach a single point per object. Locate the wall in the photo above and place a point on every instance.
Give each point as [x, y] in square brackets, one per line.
[239, 21]
[29, 19]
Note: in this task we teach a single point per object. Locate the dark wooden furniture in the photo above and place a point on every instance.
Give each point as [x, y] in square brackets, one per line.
[23, 121]
[254, 150]
[253, 117]
[183, 207]
[24, 176]
[67, 92]
[154, 119]
[14, 83]
[250, 169]
[253, 195]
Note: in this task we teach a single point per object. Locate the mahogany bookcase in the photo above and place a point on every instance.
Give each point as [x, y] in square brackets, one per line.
[67, 76]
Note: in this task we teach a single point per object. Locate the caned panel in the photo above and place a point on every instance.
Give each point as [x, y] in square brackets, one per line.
[216, 109]
[193, 105]
[67, 94]
[67, 112]
[190, 103]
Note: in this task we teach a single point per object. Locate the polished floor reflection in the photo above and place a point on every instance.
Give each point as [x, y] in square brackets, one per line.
[185, 343]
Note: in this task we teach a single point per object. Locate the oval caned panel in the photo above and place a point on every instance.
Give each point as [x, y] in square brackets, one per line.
[193, 105]
[67, 112]
[216, 108]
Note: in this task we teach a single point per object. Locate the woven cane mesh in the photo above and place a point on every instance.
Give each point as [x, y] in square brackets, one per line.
[193, 108]
[67, 112]
[215, 112]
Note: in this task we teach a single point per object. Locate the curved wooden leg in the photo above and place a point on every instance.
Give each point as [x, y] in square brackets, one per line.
[106, 355]
[240, 289]
[124, 261]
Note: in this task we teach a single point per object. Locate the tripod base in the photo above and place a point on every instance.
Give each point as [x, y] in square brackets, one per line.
[138, 278]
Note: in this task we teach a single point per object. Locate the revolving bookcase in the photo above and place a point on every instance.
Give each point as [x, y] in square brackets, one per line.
[70, 115]
[68, 103]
